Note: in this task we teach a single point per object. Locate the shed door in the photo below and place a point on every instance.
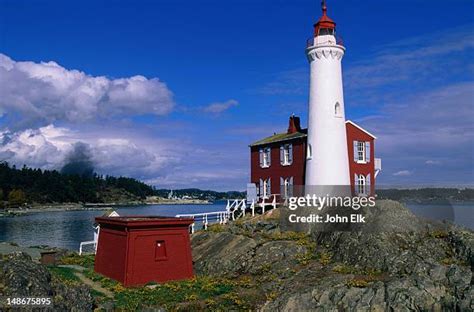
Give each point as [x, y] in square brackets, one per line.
[160, 258]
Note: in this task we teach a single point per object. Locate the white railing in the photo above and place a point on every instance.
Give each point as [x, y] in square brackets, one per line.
[234, 209]
[268, 201]
[378, 166]
[235, 205]
[206, 218]
[93, 243]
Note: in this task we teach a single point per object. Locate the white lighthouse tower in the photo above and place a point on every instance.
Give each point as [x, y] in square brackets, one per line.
[327, 165]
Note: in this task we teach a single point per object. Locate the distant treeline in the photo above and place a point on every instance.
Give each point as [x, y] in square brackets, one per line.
[435, 194]
[46, 186]
[28, 185]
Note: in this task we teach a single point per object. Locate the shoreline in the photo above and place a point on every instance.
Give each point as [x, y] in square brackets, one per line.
[12, 212]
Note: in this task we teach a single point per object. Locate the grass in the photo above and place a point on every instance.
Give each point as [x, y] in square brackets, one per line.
[216, 228]
[346, 269]
[199, 293]
[86, 261]
[438, 234]
[64, 274]
[358, 282]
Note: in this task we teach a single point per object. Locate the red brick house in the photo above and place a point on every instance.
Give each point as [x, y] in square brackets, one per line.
[277, 163]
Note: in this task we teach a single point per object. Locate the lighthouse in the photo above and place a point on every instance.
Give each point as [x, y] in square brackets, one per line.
[327, 159]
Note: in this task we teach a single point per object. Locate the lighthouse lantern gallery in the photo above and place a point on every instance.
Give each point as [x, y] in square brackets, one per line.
[331, 152]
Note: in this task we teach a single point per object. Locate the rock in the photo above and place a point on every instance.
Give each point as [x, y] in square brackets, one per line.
[221, 253]
[397, 263]
[21, 277]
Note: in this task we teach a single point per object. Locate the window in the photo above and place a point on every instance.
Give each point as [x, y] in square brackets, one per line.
[309, 153]
[286, 185]
[286, 154]
[326, 31]
[361, 152]
[361, 185]
[266, 188]
[265, 157]
[337, 110]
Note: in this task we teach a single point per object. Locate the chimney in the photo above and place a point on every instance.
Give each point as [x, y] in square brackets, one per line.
[294, 124]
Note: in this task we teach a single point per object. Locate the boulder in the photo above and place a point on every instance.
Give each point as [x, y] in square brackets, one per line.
[21, 277]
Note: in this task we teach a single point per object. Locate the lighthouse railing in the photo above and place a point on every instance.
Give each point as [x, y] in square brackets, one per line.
[310, 41]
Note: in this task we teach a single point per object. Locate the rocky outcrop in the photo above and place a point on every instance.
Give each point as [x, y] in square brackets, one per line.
[398, 263]
[21, 277]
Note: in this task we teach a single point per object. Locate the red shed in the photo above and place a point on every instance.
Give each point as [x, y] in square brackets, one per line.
[136, 250]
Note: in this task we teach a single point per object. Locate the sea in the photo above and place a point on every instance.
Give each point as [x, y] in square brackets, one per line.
[66, 229]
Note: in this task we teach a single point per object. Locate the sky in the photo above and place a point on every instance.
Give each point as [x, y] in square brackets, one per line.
[173, 92]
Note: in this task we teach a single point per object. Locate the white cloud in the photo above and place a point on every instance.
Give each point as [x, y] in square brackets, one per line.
[45, 92]
[220, 107]
[433, 162]
[48, 148]
[403, 173]
[402, 66]
[165, 162]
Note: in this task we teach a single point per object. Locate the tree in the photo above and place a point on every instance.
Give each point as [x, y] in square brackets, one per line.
[16, 198]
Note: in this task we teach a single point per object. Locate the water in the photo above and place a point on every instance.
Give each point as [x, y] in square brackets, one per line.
[460, 213]
[67, 229]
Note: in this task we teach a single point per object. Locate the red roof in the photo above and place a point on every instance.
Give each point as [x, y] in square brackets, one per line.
[325, 21]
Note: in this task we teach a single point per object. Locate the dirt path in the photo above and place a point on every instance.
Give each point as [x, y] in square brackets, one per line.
[94, 285]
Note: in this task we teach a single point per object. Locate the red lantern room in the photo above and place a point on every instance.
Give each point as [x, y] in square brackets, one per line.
[136, 250]
[325, 25]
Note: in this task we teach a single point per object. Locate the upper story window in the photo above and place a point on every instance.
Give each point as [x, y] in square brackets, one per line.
[286, 154]
[309, 153]
[361, 152]
[265, 157]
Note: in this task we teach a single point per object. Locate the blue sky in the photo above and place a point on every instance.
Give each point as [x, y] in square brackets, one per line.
[172, 92]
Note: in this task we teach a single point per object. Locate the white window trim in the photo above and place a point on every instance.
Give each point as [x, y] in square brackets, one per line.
[361, 187]
[286, 184]
[286, 155]
[267, 154]
[265, 185]
[361, 143]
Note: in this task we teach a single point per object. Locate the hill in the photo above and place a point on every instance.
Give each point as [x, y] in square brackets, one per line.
[29, 185]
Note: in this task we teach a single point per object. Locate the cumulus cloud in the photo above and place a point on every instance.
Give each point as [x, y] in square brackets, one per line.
[220, 107]
[42, 93]
[164, 162]
[53, 147]
[433, 162]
